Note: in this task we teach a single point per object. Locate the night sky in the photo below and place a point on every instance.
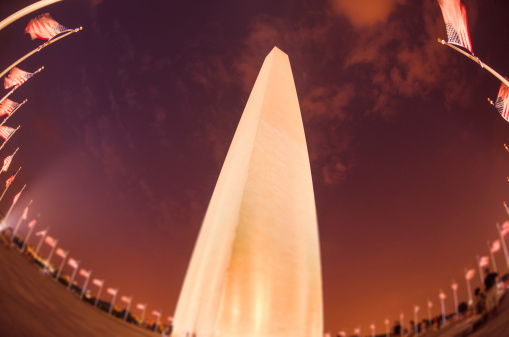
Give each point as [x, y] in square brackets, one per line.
[125, 131]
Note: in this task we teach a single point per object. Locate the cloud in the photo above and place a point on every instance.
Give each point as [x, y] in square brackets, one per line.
[365, 13]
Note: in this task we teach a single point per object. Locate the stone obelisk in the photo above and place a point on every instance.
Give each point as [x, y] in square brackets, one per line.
[255, 270]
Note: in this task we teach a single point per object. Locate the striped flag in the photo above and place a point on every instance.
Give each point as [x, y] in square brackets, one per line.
[502, 102]
[85, 273]
[15, 200]
[32, 223]
[455, 17]
[41, 233]
[50, 241]
[112, 291]
[141, 306]
[16, 77]
[7, 162]
[417, 308]
[44, 27]
[442, 296]
[126, 299]
[9, 181]
[430, 304]
[454, 286]
[484, 261]
[25, 212]
[7, 106]
[62, 253]
[6, 131]
[504, 228]
[73, 263]
[97, 282]
[156, 313]
[470, 274]
[495, 246]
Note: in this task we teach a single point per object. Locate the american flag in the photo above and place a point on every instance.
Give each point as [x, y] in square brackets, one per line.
[126, 299]
[504, 228]
[454, 286]
[16, 77]
[97, 282]
[6, 131]
[7, 106]
[25, 212]
[7, 163]
[41, 233]
[44, 27]
[15, 200]
[417, 308]
[62, 253]
[455, 17]
[442, 296]
[9, 181]
[85, 273]
[32, 223]
[112, 291]
[156, 313]
[495, 246]
[73, 263]
[502, 102]
[484, 261]
[50, 241]
[430, 304]
[141, 306]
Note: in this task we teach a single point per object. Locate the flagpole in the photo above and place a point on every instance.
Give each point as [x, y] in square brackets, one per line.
[429, 311]
[502, 240]
[113, 302]
[13, 111]
[26, 239]
[402, 319]
[143, 312]
[9, 93]
[22, 12]
[47, 43]
[98, 294]
[40, 242]
[72, 276]
[9, 137]
[157, 323]
[468, 288]
[50, 255]
[454, 287]
[6, 187]
[11, 158]
[10, 209]
[415, 321]
[19, 221]
[481, 274]
[84, 288]
[61, 266]
[441, 296]
[476, 60]
[127, 308]
[492, 257]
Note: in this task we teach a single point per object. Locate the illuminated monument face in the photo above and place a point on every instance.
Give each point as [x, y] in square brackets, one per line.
[255, 269]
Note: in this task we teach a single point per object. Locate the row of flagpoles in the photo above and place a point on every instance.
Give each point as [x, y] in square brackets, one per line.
[42, 27]
[45, 28]
[455, 18]
[481, 262]
[75, 265]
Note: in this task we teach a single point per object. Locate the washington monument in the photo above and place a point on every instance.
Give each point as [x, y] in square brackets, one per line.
[255, 269]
